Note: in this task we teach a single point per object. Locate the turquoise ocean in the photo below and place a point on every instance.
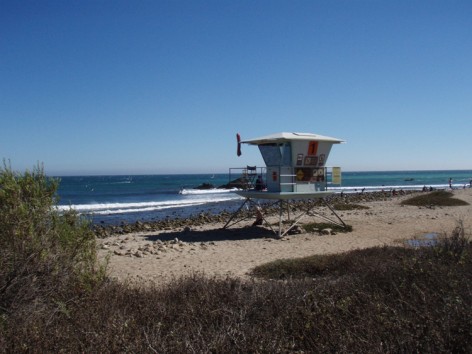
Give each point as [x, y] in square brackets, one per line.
[116, 199]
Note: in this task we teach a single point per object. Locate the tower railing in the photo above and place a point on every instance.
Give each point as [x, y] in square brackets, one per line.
[245, 177]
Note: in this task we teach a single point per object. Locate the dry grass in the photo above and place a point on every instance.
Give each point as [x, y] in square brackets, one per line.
[436, 198]
[380, 299]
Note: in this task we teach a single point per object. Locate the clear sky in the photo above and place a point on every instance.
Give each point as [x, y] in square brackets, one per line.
[133, 87]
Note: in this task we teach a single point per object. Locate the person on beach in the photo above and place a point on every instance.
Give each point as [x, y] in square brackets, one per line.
[259, 184]
[259, 218]
[450, 183]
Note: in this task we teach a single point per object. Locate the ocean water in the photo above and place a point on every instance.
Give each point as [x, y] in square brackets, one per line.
[113, 199]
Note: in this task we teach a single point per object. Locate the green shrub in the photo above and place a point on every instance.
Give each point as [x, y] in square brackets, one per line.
[46, 258]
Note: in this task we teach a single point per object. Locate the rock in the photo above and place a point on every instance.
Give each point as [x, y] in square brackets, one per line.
[296, 230]
[240, 183]
[119, 253]
[326, 231]
[205, 186]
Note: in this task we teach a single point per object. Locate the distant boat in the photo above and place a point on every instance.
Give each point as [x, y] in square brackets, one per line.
[212, 177]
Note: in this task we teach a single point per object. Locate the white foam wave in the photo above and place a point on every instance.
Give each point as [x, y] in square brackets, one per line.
[206, 191]
[137, 210]
[122, 208]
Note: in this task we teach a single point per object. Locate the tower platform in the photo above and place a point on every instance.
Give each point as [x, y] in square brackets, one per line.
[285, 201]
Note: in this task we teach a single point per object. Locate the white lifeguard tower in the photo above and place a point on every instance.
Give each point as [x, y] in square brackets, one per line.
[295, 169]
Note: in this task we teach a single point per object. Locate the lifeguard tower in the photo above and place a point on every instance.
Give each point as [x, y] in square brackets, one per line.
[295, 169]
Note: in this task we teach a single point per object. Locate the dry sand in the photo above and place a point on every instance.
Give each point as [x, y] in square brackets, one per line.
[158, 257]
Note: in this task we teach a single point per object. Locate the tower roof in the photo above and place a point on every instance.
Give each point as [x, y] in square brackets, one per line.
[284, 137]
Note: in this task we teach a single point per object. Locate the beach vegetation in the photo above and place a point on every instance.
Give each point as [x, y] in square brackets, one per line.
[334, 265]
[46, 258]
[55, 298]
[435, 198]
[381, 299]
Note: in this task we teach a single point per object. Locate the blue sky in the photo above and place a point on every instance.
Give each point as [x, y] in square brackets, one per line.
[133, 87]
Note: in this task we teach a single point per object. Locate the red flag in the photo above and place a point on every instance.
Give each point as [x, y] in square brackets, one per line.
[238, 138]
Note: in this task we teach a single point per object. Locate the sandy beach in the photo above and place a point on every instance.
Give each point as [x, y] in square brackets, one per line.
[159, 256]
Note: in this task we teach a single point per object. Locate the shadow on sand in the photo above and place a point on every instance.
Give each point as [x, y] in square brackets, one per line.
[235, 234]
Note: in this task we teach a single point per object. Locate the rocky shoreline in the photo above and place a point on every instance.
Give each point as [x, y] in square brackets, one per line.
[168, 224]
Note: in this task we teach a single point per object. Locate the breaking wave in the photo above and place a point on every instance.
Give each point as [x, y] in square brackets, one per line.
[206, 191]
[135, 207]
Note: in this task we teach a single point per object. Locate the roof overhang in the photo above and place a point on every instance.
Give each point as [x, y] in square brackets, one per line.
[285, 137]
